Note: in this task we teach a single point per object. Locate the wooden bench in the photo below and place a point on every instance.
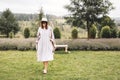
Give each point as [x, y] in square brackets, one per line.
[64, 46]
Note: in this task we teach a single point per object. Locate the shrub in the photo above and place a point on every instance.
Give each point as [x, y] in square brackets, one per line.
[11, 34]
[26, 33]
[23, 47]
[113, 33]
[74, 34]
[93, 31]
[8, 44]
[73, 44]
[91, 44]
[57, 33]
[119, 34]
[105, 32]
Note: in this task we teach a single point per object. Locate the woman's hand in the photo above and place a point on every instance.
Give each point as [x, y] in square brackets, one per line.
[51, 40]
[36, 42]
[53, 44]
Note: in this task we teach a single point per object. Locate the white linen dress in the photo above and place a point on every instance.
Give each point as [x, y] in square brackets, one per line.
[44, 46]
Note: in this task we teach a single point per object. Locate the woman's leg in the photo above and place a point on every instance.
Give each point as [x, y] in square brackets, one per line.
[45, 65]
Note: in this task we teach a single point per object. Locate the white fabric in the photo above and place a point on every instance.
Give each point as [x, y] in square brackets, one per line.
[44, 46]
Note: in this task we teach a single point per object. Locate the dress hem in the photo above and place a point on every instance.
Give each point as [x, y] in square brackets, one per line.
[44, 61]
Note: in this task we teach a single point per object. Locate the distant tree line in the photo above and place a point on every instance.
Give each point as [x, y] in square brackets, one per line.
[29, 17]
[26, 17]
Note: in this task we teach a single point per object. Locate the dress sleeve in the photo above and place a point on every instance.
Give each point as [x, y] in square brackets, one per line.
[38, 35]
[52, 36]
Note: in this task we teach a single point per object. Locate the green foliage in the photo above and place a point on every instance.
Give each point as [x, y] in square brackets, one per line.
[34, 28]
[57, 33]
[93, 31]
[26, 33]
[11, 35]
[119, 34]
[105, 32]
[114, 33]
[8, 23]
[106, 20]
[87, 11]
[74, 34]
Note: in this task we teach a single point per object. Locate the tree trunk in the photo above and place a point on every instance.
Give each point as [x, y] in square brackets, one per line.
[88, 31]
[7, 34]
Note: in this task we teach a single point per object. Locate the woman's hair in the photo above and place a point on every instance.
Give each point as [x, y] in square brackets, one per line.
[46, 27]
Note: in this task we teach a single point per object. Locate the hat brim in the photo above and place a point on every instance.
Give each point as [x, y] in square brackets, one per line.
[44, 21]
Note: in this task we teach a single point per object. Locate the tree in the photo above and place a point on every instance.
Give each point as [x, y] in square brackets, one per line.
[41, 14]
[119, 34]
[8, 23]
[87, 11]
[106, 21]
[26, 33]
[114, 33]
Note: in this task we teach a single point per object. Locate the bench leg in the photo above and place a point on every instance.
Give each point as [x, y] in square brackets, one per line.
[66, 49]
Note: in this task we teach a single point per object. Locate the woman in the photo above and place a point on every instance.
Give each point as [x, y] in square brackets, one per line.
[45, 44]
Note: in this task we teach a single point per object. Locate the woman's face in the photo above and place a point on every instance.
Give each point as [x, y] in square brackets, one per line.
[44, 24]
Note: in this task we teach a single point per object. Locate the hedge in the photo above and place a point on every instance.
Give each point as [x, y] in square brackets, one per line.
[17, 44]
[73, 44]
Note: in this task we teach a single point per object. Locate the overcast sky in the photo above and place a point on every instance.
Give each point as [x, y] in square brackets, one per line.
[55, 7]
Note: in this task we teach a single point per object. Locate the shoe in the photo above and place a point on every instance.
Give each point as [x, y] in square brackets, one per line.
[44, 71]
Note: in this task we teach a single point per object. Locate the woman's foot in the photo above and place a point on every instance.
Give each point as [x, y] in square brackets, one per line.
[45, 71]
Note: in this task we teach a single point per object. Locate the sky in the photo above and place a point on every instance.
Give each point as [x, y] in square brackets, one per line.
[55, 7]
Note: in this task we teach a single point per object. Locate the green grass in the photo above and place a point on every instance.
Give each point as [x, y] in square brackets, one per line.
[78, 65]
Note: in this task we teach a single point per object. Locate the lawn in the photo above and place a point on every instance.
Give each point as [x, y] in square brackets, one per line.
[77, 65]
